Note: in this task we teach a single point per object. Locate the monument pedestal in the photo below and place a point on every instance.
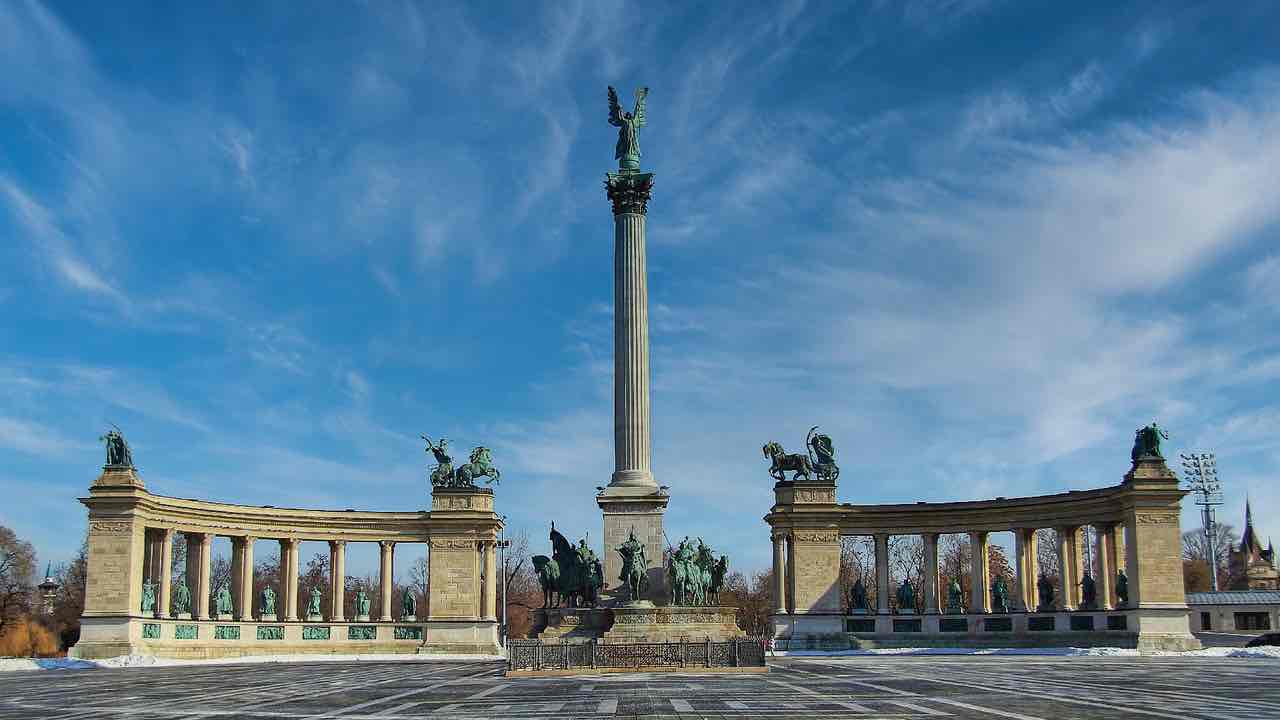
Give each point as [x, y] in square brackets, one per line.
[639, 509]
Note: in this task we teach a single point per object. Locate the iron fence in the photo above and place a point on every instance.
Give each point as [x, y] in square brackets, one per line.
[563, 655]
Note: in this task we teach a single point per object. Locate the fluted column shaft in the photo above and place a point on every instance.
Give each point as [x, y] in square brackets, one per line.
[1066, 568]
[204, 568]
[289, 578]
[337, 579]
[631, 445]
[385, 575]
[1019, 598]
[882, 574]
[1105, 565]
[779, 575]
[244, 608]
[930, 573]
[980, 579]
[166, 573]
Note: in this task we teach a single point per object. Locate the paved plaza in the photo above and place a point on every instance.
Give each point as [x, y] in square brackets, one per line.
[1051, 688]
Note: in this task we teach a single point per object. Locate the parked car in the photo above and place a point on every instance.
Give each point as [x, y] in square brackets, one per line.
[1268, 639]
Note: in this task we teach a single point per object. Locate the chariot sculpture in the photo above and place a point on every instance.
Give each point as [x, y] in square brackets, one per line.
[820, 459]
[444, 475]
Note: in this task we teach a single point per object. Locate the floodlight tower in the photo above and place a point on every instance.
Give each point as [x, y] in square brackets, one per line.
[1201, 470]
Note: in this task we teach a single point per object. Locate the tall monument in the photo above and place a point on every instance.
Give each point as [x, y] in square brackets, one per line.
[633, 501]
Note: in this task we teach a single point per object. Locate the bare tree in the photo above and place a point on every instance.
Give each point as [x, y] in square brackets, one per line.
[906, 561]
[68, 606]
[1047, 553]
[17, 576]
[857, 562]
[419, 582]
[1195, 547]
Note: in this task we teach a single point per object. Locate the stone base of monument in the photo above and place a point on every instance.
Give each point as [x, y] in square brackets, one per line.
[672, 624]
[107, 637]
[315, 617]
[268, 618]
[362, 618]
[1147, 629]
[635, 623]
[573, 624]
[409, 618]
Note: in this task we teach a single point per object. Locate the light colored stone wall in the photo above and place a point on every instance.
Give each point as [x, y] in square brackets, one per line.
[453, 567]
[817, 571]
[113, 585]
[644, 514]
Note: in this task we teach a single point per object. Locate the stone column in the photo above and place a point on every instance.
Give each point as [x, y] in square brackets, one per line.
[1066, 563]
[244, 609]
[1105, 565]
[1078, 540]
[882, 573]
[632, 501]
[166, 573]
[980, 573]
[930, 573]
[337, 579]
[205, 568]
[385, 574]
[237, 577]
[490, 580]
[1032, 549]
[779, 575]
[1019, 599]
[791, 573]
[289, 578]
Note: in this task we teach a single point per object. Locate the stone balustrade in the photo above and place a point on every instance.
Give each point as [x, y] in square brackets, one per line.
[131, 534]
[1136, 527]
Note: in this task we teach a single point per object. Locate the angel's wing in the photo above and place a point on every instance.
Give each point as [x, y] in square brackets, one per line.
[637, 116]
[615, 110]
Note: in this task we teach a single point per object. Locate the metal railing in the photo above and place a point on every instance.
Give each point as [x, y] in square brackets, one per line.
[563, 655]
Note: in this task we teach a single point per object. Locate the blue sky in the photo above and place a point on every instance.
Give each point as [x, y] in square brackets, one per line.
[978, 243]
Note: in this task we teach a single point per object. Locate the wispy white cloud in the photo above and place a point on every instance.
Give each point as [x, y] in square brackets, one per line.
[36, 439]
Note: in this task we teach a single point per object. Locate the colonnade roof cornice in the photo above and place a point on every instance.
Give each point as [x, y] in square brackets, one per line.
[265, 522]
[1067, 509]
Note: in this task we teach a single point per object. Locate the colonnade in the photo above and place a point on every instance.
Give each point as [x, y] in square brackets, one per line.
[158, 562]
[1023, 596]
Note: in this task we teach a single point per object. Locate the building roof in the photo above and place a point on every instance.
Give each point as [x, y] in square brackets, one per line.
[1235, 597]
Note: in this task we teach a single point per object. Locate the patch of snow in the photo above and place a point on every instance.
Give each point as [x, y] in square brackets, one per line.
[1266, 651]
[1060, 652]
[133, 661]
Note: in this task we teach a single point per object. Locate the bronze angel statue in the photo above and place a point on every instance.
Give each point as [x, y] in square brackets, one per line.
[627, 152]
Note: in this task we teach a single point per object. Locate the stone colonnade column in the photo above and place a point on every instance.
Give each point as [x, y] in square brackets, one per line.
[491, 579]
[882, 573]
[385, 574]
[166, 573]
[980, 572]
[1078, 539]
[1032, 549]
[1066, 568]
[237, 570]
[1105, 565]
[289, 577]
[930, 573]
[1018, 598]
[204, 568]
[337, 579]
[244, 576]
[779, 575]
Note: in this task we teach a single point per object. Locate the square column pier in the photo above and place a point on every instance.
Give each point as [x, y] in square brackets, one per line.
[639, 509]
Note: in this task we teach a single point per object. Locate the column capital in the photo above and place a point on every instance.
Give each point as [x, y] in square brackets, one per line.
[337, 543]
[386, 544]
[629, 192]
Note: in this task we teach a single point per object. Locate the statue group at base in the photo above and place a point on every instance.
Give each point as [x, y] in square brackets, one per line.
[820, 460]
[694, 575]
[571, 576]
[444, 475]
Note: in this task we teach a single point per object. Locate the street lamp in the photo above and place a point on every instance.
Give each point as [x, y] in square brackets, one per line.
[1201, 470]
[503, 544]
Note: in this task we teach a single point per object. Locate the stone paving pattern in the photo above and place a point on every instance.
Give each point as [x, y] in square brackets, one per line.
[1023, 688]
